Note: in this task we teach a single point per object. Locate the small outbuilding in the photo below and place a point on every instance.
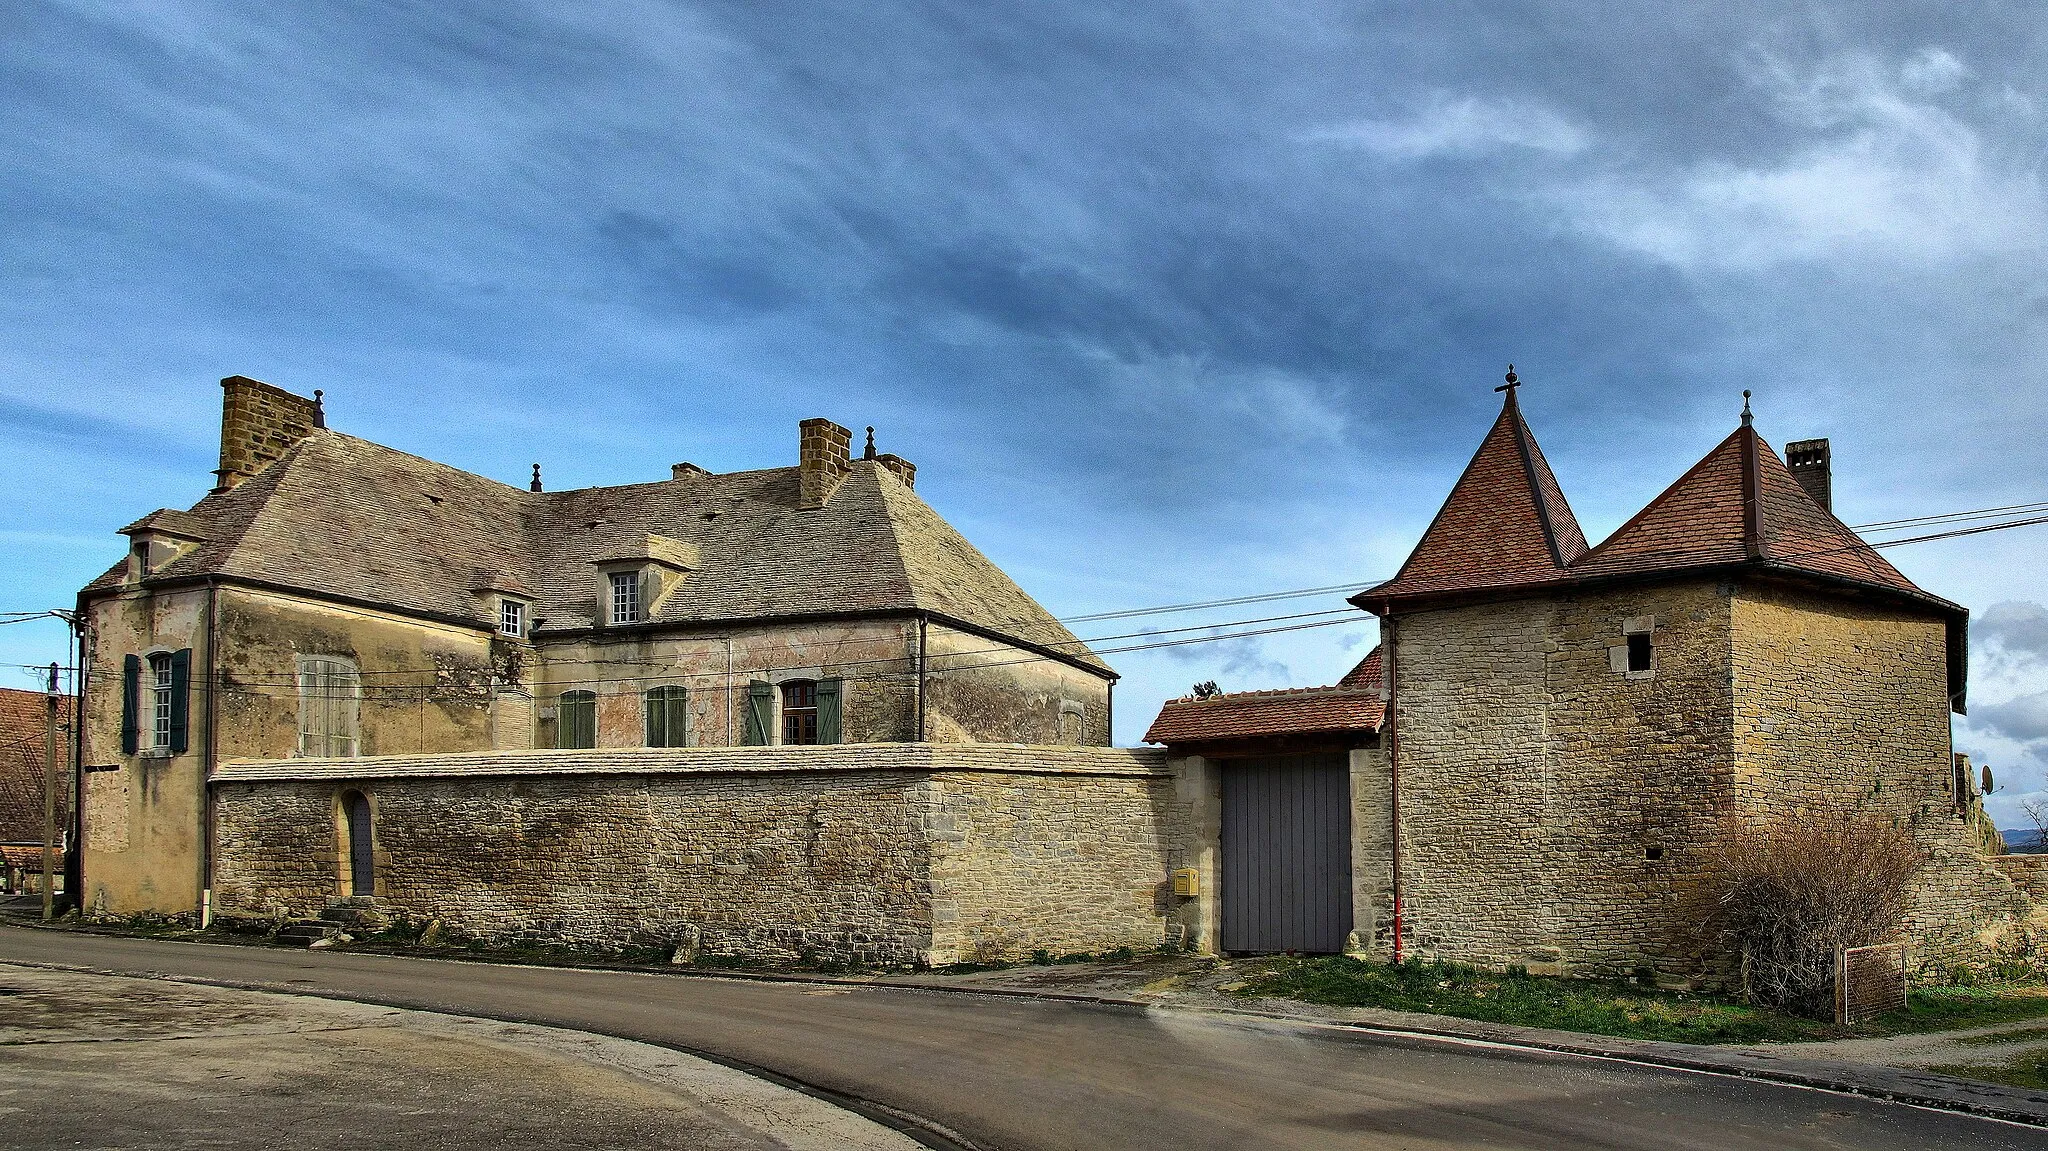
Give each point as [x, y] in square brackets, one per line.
[1271, 773]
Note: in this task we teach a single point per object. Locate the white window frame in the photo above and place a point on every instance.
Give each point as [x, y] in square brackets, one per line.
[512, 618]
[160, 701]
[625, 596]
[330, 693]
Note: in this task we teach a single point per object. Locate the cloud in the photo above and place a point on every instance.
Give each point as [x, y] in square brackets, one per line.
[1464, 125]
[1878, 168]
[2022, 719]
[2013, 633]
[1933, 70]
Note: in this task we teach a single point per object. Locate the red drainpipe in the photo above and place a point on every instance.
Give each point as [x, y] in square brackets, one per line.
[1393, 775]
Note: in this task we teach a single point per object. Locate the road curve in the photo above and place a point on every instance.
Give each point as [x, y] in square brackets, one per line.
[1032, 1075]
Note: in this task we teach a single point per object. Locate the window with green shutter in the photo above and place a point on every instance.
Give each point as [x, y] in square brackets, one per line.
[760, 713]
[830, 693]
[668, 717]
[576, 719]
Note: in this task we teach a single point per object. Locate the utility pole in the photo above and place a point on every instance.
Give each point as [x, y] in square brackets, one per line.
[50, 798]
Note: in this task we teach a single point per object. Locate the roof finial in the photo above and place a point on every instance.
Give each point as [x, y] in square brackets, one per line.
[319, 409]
[1747, 419]
[535, 485]
[1512, 383]
[870, 453]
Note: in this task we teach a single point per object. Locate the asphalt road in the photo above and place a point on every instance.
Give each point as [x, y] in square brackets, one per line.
[1011, 1073]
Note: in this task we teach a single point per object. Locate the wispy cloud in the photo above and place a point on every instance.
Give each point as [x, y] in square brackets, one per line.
[1880, 167]
[1456, 125]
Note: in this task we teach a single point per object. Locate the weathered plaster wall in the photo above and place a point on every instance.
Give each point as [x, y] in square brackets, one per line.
[872, 658]
[851, 853]
[424, 686]
[141, 845]
[979, 690]
[1844, 702]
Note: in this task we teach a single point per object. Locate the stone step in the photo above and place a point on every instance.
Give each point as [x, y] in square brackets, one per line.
[308, 933]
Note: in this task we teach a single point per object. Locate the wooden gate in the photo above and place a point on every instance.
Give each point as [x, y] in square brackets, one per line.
[1286, 876]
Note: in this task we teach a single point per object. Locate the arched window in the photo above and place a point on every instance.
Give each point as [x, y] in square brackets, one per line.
[576, 719]
[362, 863]
[668, 716]
[800, 711]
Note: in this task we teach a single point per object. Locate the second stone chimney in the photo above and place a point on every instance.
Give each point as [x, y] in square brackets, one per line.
[1813, 466]
[259, 423]
[824, 456]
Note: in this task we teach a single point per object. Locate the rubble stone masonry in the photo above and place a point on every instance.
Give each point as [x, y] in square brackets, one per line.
[1554, 803]
[885, 854]
[1847, 702]
[1545, 796]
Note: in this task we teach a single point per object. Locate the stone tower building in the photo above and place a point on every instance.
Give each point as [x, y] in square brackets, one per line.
[1569, 725]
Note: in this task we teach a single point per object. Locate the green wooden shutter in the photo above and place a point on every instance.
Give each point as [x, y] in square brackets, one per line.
[760, 712]
[828, 710]
[576, 719]
[131, 689]
[668, 717]
[181, 698]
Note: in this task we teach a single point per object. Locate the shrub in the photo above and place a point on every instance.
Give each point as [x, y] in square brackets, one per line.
[1782, 892]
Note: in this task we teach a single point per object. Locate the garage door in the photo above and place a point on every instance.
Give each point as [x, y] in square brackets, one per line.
[1286, 853]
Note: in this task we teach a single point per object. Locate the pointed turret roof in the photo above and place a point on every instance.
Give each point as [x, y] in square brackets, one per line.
[1506, 522]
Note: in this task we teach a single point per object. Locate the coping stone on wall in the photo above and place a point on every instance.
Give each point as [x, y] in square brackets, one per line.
[916, 757]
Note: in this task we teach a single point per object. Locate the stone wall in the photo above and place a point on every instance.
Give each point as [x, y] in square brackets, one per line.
[1545, 795]
[883, 854]
[2027, 872]
[1845, 703]
[1013, 854]
[1555, 805]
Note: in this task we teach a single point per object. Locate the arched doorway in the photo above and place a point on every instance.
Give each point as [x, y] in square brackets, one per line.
[362, 869]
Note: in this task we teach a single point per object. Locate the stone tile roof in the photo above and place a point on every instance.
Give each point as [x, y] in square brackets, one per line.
[1505, 522]
[345, 516]
[911, 757]
[1353, 704]
[21, 764]
[1739, 505]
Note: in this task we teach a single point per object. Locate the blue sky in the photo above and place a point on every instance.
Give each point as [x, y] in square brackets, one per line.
[1167, 304]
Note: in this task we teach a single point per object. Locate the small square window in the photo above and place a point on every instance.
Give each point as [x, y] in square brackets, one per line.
[511, 618]
[1639, 652]
[626, 597]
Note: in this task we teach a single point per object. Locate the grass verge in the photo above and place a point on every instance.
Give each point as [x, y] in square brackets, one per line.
[1611, 1007]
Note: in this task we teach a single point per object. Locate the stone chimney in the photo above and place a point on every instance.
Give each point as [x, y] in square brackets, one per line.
[824, 451]
[259, 423]
[899, 467]
[1813, 466]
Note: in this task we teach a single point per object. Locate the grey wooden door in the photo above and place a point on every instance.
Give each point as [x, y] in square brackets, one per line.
[1286, 876]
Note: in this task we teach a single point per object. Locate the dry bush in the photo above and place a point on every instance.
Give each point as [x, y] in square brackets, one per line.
[1782, 892]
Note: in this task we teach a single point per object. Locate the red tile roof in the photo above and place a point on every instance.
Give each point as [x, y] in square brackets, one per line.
[1739, 505]
[21, 765]
[1353, 704]
[1505, 523]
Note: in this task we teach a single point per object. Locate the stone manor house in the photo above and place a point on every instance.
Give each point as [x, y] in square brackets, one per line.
[791, 713]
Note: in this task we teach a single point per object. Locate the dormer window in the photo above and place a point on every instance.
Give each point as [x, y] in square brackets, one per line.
[512, 618]
[625, 600]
